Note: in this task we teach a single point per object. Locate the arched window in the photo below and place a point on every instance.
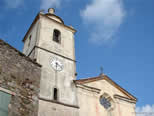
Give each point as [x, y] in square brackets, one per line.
[56, 36]
[55, 94]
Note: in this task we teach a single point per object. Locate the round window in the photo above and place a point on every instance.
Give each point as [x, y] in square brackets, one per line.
[105, 102]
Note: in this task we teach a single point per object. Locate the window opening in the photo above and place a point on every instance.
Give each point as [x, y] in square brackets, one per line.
[29, 40]
[55, 95]
[56, 36]
[4, 102]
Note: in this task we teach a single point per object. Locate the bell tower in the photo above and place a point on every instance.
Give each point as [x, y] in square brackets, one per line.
[51, 43]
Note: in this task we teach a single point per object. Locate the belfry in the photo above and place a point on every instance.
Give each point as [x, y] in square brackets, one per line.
[49, 52]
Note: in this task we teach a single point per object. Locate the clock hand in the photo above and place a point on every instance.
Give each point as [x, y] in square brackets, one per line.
[59, 66]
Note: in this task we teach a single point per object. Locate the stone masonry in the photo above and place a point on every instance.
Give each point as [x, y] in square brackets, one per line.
[21, 77]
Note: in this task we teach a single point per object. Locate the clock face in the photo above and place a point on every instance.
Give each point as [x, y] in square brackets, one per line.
[56, 64]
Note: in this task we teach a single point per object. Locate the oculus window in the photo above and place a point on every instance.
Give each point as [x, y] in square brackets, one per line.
[105, 102]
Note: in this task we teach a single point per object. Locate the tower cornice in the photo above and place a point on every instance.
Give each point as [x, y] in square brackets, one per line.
[46, 16]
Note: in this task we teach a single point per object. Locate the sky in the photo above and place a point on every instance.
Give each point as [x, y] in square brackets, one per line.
[117, 35]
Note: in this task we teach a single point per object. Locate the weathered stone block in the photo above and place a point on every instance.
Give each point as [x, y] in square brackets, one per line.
[21, 75]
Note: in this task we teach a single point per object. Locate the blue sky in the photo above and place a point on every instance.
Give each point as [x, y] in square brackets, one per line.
[115, 34]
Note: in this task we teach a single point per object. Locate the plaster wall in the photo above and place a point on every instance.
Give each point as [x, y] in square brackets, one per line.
[62, 80]
[90, 105]
[55, 18]
[106, 87]
[56, 109]
[125, 108]
[34, 33]
[65, 48]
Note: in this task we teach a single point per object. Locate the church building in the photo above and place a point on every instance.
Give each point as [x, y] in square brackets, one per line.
[49, 86]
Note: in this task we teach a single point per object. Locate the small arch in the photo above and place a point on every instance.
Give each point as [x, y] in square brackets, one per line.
[56, 36]
[55, 94]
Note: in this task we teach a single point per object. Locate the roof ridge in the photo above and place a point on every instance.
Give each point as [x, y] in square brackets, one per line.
[105, 77]
[87, 78]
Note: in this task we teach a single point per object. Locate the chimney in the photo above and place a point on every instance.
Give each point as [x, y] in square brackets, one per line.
[51, 10]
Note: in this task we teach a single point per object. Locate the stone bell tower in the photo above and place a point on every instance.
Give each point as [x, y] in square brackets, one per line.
[51, 43]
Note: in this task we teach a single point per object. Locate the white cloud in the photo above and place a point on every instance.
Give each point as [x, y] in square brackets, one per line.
[146, 110]
[45, 4]
[13, 3]
[106, 16]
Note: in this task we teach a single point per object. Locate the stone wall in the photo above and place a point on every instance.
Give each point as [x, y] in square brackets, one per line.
[21, 76]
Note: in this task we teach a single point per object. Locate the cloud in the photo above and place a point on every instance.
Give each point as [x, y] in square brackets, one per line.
[13, 3]
[105, 16]
[146, 110]
[45, 4]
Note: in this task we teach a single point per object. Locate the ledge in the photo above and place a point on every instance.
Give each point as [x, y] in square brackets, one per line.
[88, 88]
[54, 53]
[57, 102]
[124, 98]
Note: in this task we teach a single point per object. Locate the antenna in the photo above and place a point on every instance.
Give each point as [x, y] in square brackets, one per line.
[101, 69]
[41, 11]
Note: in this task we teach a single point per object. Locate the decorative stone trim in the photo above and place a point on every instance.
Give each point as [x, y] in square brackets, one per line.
[88, 88]
[57, 102]
[7, 91]
[124, 98]
[105, 77]
[39, 15]
[54, 53]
